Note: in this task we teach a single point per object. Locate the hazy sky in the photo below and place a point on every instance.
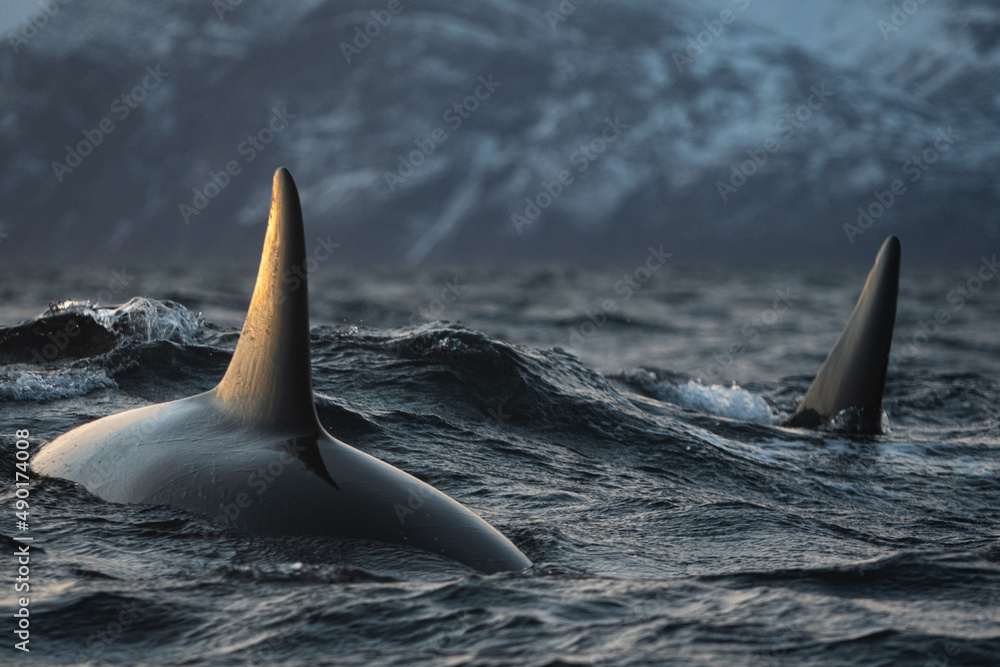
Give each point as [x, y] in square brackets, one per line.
[13, 11]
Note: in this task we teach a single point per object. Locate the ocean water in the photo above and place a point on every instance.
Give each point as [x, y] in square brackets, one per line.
[629, 441]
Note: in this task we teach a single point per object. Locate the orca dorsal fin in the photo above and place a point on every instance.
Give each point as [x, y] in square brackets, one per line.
[853, 375]
[269, 378]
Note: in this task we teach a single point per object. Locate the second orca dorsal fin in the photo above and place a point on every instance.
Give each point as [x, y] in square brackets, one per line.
[269, 380]
[853, 375]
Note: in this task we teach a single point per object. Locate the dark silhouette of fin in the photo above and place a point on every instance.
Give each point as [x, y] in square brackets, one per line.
[853, 375]
[269, 380]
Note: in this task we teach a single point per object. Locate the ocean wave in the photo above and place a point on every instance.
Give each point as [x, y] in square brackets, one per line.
[139, 320]
[24, 384]
[63, 352]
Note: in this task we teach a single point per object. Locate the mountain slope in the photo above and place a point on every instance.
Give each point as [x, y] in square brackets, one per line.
[393, 171]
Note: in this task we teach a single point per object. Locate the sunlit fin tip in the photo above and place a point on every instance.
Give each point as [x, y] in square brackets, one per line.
[269, 377]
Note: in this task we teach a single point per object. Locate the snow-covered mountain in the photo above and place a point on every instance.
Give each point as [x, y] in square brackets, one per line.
[504, 130]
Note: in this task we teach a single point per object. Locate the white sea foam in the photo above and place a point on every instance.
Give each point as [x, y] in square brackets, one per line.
[24, 384]
[730, 402]
[142, 320]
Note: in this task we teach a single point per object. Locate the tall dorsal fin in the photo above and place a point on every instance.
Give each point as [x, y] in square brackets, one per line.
[269, 378]
[853, 375]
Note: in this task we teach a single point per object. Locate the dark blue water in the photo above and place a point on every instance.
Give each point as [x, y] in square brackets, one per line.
[630, 443]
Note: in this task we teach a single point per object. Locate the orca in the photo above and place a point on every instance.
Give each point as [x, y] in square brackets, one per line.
[853, 375]
[251, 454]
